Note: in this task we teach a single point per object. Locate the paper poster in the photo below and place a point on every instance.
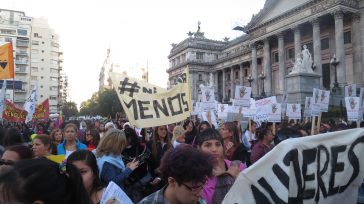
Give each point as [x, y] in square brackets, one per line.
[294, 111]
[242, 96]
[307, 111]
[352, 108]
[222, 111]
[350, 90]
[324, 100]
[274, 112]
[208, 99]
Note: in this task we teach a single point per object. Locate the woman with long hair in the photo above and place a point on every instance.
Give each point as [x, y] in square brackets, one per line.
[42, 146]
[56, 136]
[70, 142]
[190, 131]
[263, 146]
[234, 149]
[85, 162]
[92, 139]
[159, 144]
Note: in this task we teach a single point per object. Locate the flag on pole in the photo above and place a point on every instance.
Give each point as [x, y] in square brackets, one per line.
[2, 99]
[59, 120]
[6, 61]
[29, 104]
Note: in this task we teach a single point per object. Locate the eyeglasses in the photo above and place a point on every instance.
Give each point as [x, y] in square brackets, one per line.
[194, 188]
[6, 162]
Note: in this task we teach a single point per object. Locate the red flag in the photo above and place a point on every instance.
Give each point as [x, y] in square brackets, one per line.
[6, 61]
[42, 111]
[12, 113]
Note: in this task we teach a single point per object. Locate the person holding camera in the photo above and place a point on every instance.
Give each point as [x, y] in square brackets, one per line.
[109, 160]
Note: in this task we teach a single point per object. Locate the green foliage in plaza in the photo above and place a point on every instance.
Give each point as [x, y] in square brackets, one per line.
[69, 109]
[104, 102]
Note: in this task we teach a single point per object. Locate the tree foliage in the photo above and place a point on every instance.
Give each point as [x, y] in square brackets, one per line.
[69, 109]
[104, 102]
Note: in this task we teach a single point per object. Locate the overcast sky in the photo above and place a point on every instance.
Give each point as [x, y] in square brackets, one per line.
[137, 31]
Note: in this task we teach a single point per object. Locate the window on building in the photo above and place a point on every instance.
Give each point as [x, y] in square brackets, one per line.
[34, 69]
[42, 42]
[326, 76]
[216, 56]
[22, 32]
[325, 44]
[183, 57]
[42, 60]
[35, 42]
[199, 55]
[275, 57]
[228, 77]
[53, 78]
[35, 51]
[236, 75]
[347, 37]
[290, 53]
[34, 78]
[200, 77]
[41, 86]
[245, 72]
[53, 97]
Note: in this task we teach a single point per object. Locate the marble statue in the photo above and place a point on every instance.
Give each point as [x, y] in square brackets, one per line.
[303, 63]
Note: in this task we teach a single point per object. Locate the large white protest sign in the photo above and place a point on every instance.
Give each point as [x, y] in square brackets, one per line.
[350, 90]
[362, 98]
[294, 111]
[322, 169]
[222, 111]
[353, 108]
[284, 102]
[146, 107]
[315, 103]
[242, 96]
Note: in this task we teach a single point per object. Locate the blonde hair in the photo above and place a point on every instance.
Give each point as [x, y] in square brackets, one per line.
[177, 131]
[113, 142]
[70, 125]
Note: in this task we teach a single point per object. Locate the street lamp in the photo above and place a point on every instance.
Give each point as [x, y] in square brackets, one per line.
[262, 77]
[334, 62]
[250, 80]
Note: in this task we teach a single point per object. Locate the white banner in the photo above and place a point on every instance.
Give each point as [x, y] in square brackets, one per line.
[322, 169]
[294, 111]
[352, 105]
[350, 90]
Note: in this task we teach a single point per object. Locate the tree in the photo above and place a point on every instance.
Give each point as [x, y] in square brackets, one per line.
[69, 109]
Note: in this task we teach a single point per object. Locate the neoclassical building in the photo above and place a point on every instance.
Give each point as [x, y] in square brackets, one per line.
[266, 52]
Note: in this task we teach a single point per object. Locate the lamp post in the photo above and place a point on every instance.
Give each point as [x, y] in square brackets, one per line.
[250, 80]
[334, 62]
[262, 77]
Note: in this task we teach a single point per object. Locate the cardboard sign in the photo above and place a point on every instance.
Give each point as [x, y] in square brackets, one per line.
[353, 108]
[274, 112]
[242, 96]
[322, 169]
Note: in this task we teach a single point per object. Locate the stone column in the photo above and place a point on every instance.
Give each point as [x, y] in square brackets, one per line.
[254, 68]
[232, 84]
[241, 78]
[297, 41]
[339, 46]
[267, 68]
[357, 50]
[317, 48]
[216, 83]
[223, 85]
[282, 67]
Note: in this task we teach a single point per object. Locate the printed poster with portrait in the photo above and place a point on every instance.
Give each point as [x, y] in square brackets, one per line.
[294, 111]
[208, 99]
[315, 102]
[222, 111]
[352, 108]
[242, 96]
[324, 100]
[362, 99]
[274, 112]
[350, 90]
[307, 111]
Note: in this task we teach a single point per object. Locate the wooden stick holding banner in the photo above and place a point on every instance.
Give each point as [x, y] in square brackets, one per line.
[250, 129]
[209, 118]
[238, 118]
[313, 125]
[319, 122]
[274, 128]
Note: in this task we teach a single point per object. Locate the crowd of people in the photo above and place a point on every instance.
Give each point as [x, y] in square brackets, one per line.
[188, 162]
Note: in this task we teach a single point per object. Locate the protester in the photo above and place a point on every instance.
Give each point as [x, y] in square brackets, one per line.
[224, 171]
[70, 142]
[42, 181]
[12, 137]
[234, 149]
[101, 129]
[56, 136]
[203, 126]
[249, 137]
[109, 160]
[263, 146]
[191, 132]
[185, 169]
[92, 139]
[137, 184]
[85, 162]
[13, 154]
[178, 136]
[42, 146]
[159, 144]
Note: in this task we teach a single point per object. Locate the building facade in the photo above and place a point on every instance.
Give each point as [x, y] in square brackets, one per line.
[37, 57]
[268, 49]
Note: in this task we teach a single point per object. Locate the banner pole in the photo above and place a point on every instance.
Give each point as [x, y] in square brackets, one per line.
[313, 125]
[319, 122]
[274, 128]
[250, 129]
